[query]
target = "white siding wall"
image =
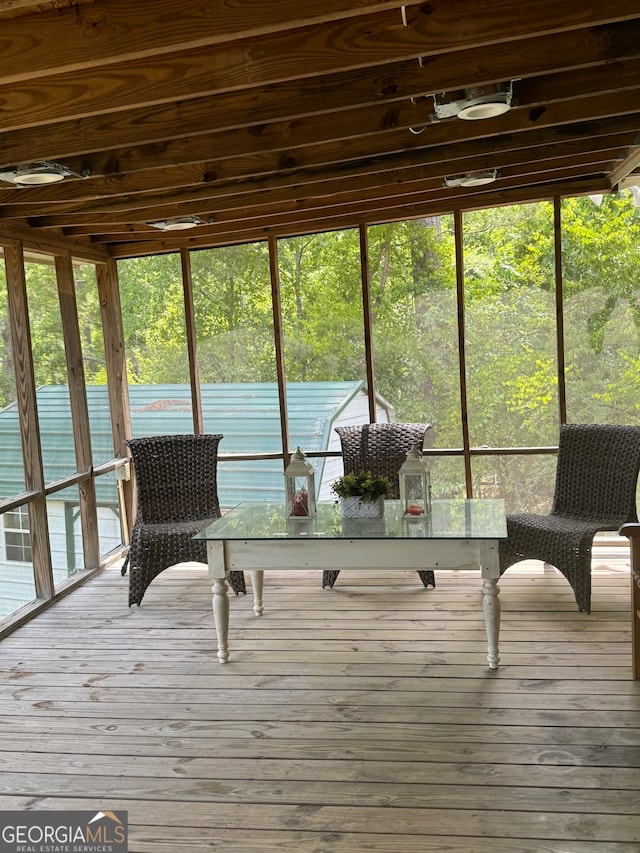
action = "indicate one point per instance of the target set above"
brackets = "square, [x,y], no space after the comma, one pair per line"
[357,412]
[16,579]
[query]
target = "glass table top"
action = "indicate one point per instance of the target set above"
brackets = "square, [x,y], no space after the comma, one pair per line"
[449,519]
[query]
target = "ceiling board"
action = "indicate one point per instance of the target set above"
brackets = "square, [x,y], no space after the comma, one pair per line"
[280,119]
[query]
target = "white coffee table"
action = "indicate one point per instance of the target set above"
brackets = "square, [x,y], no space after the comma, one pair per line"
[258,537]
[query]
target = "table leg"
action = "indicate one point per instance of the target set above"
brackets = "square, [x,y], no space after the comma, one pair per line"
[221,617]
[491,607]
[216,560]
[490,569]
[256,584]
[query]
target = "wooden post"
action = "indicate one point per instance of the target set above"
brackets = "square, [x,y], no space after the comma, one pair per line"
[632,531]
[192,344]
[368,321]
[279,345]
[79,409]
[562,388]
[464,413]
[29,424]
[107,276]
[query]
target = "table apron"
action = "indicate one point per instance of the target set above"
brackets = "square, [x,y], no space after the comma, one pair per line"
[382,554]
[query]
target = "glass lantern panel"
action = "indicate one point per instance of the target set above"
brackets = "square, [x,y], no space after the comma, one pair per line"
[299,497]
[415,494]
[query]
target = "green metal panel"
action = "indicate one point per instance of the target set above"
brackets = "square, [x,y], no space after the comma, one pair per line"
[246,414]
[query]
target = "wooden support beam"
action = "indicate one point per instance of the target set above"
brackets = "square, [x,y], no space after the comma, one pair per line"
[192,343]
[79,409]
[116,367]
[28,415]
[633,532]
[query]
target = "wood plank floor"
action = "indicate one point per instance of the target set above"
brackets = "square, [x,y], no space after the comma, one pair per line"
[362,718]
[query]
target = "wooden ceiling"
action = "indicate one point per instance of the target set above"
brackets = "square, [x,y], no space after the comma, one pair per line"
[285,117]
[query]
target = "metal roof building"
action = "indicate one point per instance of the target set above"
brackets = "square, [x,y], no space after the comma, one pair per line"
[246,414]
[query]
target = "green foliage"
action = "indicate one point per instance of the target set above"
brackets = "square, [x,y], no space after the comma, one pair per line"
[509,322]
[153,319]
[322,306]
[369,487]
[50,366]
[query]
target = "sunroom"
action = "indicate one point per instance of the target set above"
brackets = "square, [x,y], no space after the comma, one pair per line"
[263,222]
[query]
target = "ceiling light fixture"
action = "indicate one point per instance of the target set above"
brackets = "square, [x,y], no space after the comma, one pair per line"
[472,179]
[39,174]
[474,103]
[179,223]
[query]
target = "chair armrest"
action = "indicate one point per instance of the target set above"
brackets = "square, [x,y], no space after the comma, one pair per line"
[631,530]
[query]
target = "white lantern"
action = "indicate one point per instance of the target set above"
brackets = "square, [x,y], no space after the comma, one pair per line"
[415,486]
[300,486]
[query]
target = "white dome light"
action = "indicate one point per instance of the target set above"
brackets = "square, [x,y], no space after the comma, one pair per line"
[38,174]
[179,223]
[479,180]
[38,177]
[473,103]
[485,109]
[472,179]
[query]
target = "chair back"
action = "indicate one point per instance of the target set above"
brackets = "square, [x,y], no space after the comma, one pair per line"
[380,448]
[176,477]
[597,473]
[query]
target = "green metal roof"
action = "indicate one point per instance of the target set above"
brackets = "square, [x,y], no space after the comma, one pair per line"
[246,414]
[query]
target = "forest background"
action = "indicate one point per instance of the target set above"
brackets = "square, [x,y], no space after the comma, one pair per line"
[504,320]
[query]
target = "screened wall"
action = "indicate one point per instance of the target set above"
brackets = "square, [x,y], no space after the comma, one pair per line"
[495,326]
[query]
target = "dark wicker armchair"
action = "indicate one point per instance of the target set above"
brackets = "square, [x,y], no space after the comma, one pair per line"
[177,489]
[381,449]
[595,489]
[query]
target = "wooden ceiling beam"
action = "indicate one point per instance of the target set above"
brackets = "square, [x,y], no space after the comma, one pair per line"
[626,167]
[345,46]
[509,128]
[73,195]
[327,93]
[245,208]
[509,133]
[378,198]
[87,36]
[247,232]
[16,8]
[275,119]
[544,158]
[445,160]
[382,128]
[116,31]
[54,244]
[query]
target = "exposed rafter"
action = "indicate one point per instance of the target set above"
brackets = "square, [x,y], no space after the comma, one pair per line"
[275,118]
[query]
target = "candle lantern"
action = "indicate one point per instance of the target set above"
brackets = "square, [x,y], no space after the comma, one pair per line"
[300,486]
[415,486]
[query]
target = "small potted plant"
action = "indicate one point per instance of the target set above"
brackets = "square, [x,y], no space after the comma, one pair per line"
[362,494]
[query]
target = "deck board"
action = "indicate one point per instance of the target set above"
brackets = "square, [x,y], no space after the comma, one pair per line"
[362,718]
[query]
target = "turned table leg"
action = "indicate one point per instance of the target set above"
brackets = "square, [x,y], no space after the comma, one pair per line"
[221,617]
[220,591]
[491,607]
[490,569]
[257,579]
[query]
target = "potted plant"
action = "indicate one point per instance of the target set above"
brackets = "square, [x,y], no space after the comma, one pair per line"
[362,494]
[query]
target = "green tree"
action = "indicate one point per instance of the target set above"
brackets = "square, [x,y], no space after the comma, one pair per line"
[152,301]
[233,313]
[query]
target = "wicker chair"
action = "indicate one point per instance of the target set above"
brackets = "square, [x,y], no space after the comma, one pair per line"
[176,481]
[595,489]
[381,449]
